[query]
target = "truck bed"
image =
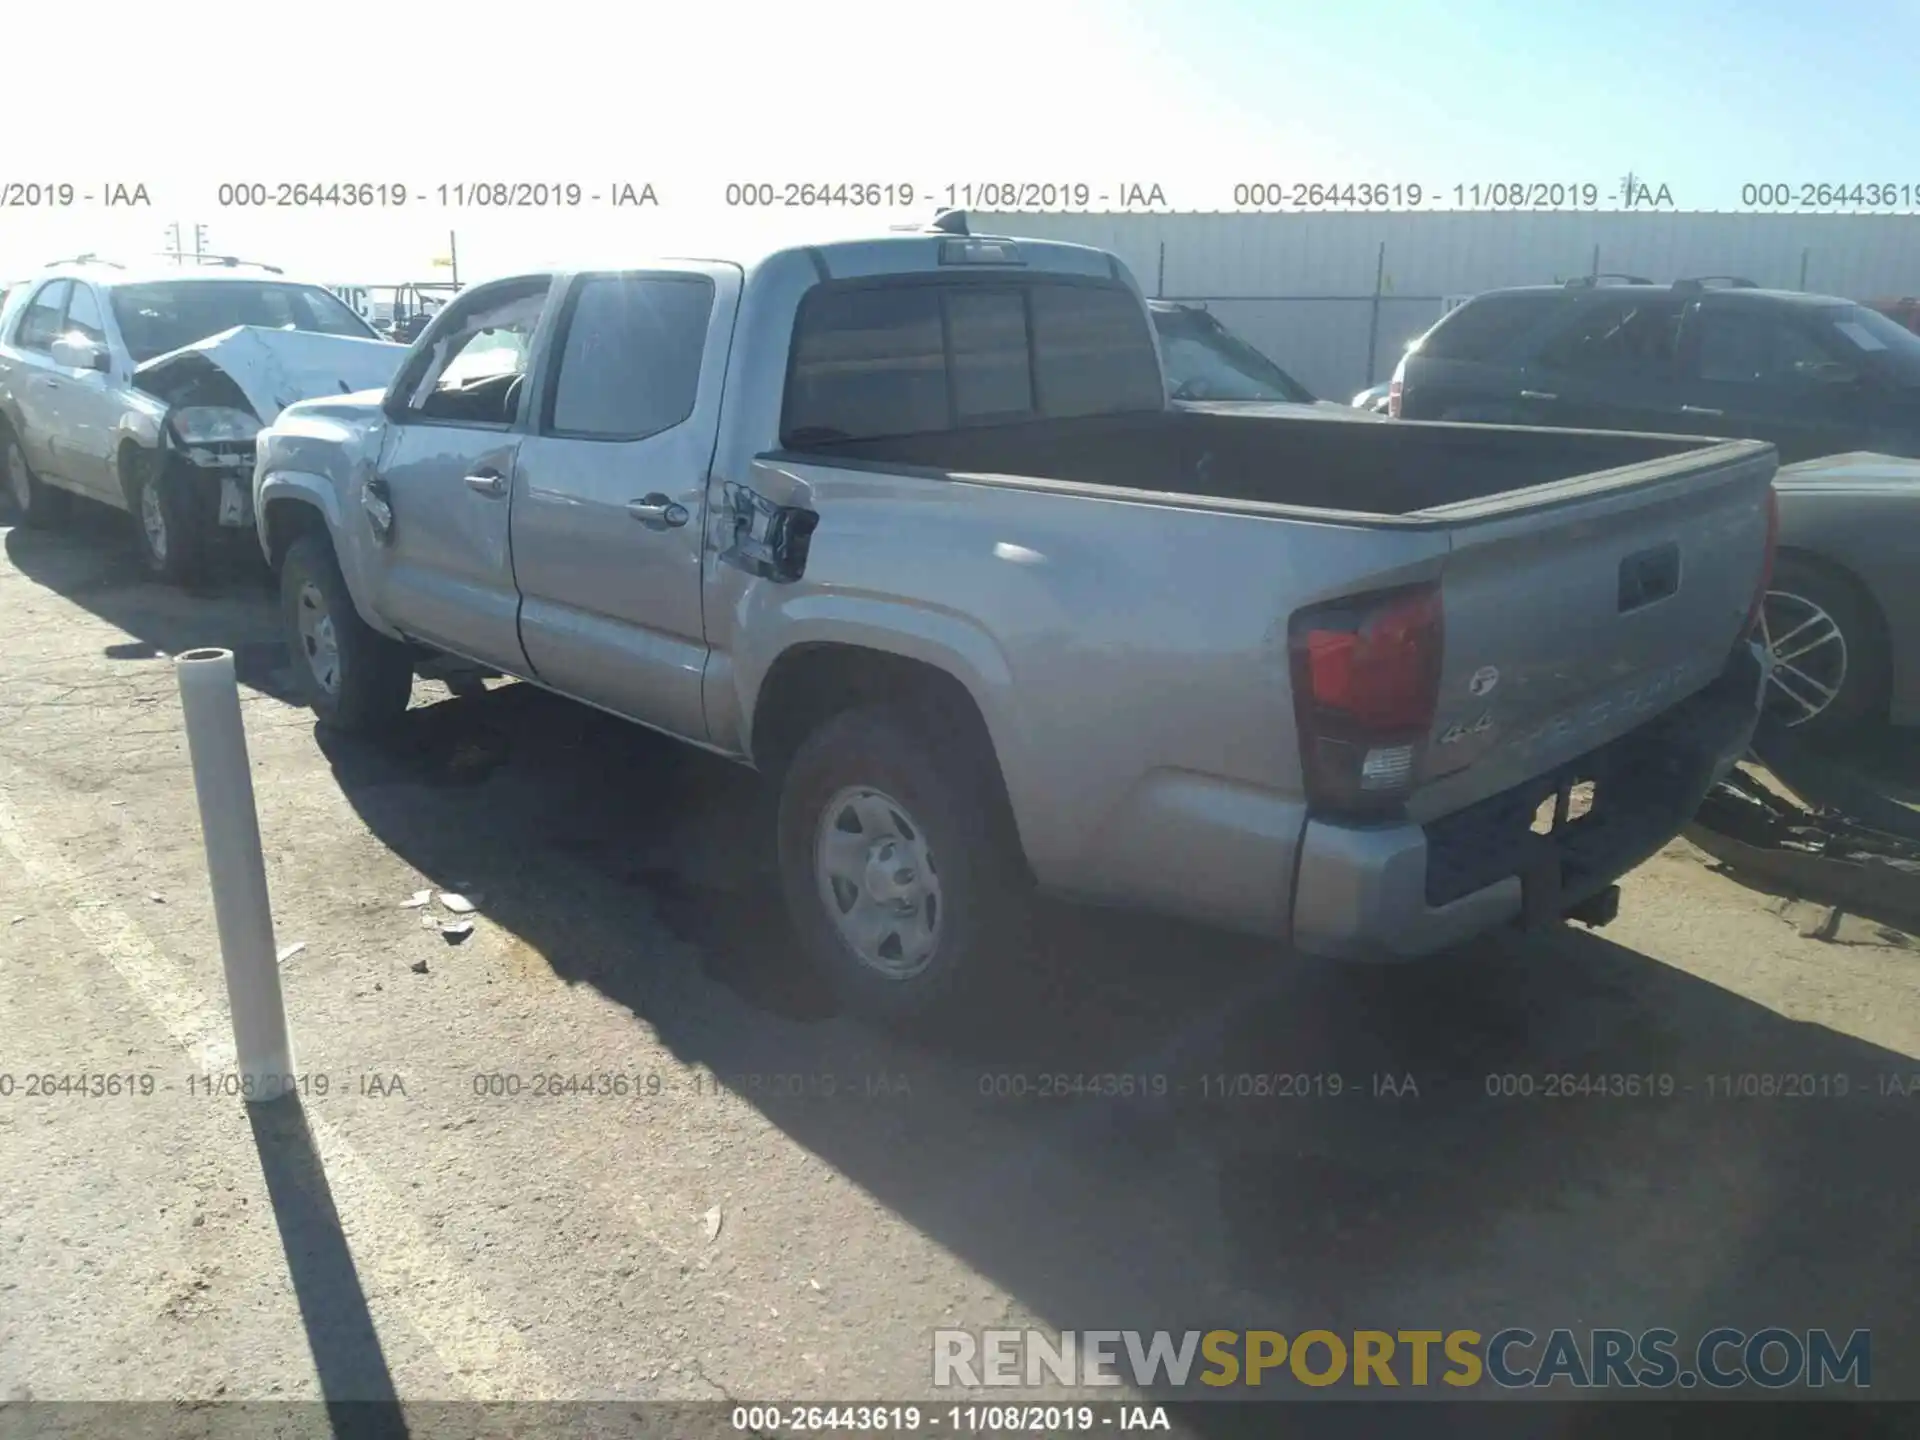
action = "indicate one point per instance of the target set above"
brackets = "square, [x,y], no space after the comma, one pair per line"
[1310,461]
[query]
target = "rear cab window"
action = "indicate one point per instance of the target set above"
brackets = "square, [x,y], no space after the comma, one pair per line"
[904,357]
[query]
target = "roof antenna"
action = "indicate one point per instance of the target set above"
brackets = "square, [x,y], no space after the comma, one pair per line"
[951,222]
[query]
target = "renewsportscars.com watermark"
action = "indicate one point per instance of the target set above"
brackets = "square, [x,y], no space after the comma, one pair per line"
[1772,1358]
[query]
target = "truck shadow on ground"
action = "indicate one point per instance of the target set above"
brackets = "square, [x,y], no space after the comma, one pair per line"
[1301,1144]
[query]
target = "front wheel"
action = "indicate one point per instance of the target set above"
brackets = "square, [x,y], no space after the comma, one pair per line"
[354,678]
[171,528]
[900,879]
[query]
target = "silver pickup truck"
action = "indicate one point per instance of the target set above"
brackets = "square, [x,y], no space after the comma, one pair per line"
[909,525]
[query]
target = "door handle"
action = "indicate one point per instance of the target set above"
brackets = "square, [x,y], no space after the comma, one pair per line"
[490,483]
[49,382]
[657,512]
[1699,410]
[1537,395]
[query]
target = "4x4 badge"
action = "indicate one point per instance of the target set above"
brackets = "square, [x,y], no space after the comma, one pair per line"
[1483,680]
[1457,732]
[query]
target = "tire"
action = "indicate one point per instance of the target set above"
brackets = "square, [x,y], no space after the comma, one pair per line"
[31,502]
[1808,602]
[363,682]
[169,525]
[957,847]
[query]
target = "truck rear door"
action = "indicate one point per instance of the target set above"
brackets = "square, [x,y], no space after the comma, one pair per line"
[1576,611]
[609,505]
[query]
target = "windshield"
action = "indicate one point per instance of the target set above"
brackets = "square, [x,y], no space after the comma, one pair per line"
[1878,345]
[1205,361]
[165,315]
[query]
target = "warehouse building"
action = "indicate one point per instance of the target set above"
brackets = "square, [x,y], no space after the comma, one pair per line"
[1335,297]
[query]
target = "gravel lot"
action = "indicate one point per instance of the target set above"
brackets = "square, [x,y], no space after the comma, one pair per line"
[731,1228]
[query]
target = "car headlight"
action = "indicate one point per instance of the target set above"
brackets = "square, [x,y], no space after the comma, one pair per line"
[213,425]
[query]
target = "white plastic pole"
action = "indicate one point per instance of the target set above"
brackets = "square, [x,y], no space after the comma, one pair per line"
[223,781]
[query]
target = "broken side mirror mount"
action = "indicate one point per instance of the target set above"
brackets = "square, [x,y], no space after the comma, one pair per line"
[767,540]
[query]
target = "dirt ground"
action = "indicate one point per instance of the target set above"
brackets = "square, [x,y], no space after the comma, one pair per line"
[784,1203]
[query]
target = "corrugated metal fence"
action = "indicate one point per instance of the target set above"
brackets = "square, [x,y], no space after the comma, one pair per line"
[1334,298]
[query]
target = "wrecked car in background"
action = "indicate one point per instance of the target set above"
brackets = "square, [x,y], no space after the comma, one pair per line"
[145,391]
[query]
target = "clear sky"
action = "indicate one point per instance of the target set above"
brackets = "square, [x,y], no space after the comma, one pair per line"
[1195,97]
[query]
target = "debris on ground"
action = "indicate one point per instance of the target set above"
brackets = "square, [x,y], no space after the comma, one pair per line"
[456,931]
[712,1222]
[458,904]
[156,897]
[287,952]
[416,900]
[419,967]
[1833,924]
[1812,852]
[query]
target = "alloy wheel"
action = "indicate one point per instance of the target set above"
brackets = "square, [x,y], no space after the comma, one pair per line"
[153,522]
[1809,653]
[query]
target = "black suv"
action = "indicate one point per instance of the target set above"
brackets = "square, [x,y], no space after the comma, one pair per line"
[1813,374]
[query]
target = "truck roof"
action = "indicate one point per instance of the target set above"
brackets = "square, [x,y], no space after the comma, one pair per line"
[897,254]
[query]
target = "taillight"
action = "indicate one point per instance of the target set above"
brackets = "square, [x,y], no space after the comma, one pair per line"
[1766,560]
[1393,397]
[1366,683]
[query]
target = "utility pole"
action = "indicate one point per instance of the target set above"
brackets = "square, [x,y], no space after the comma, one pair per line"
[176,246]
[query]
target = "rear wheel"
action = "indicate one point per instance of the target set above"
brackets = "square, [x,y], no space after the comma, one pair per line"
[354,677]
[1830,662]
[31,501]
[900,879]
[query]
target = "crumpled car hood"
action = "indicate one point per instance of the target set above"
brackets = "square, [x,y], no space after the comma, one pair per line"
[271,369]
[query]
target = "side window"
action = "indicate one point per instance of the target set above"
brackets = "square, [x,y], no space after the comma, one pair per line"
[1618,336]
[1092,353]
[630,365]
[40,325]
[83,315]
[1798,358]
[866,362]
[1485,326]
[1746,347]
[470,373]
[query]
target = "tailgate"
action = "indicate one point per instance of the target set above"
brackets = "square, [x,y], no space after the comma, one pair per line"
[1578,610]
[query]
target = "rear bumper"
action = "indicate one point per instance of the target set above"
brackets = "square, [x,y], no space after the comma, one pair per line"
[1398,891]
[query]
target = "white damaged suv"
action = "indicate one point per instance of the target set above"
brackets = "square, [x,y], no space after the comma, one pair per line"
[143,389]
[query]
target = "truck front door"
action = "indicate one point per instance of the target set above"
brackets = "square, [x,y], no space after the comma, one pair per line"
[610,490]
[442,571]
